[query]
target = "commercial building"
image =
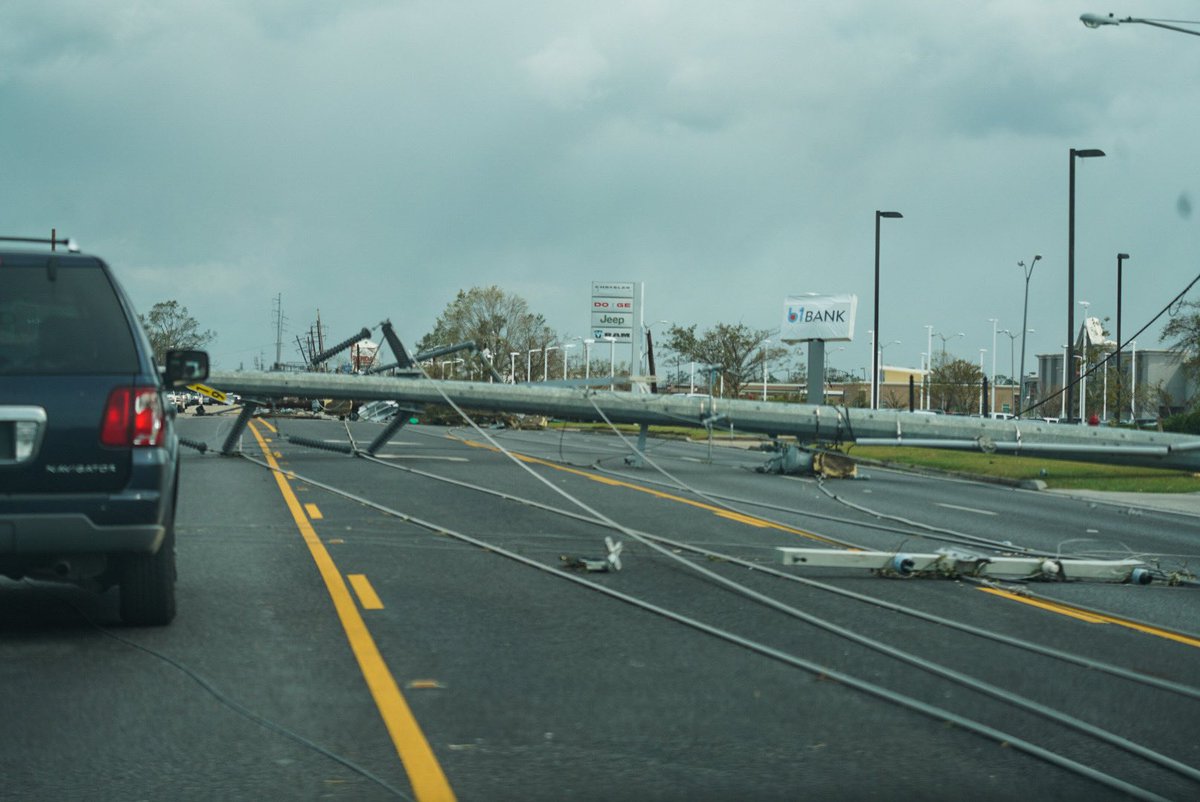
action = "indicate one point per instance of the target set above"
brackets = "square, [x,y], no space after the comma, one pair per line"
[1154,385]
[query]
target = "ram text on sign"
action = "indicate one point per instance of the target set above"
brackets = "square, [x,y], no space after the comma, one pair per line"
[818,317]
[619,335]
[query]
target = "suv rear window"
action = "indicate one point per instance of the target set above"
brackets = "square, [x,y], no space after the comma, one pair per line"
[61,316]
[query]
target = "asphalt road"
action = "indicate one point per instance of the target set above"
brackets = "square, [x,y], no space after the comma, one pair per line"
[327,648]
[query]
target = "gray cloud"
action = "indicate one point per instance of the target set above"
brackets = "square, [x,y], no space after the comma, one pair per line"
[371,158]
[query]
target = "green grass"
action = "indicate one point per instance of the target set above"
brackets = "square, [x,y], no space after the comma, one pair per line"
[1057,474]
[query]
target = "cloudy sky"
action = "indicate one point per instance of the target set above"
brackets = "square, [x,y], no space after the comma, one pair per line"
[369,158]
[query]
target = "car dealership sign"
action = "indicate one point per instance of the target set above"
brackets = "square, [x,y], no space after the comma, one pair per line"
[613,310]
[818,317]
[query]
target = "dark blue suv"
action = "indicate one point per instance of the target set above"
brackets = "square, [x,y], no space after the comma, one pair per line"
[89,458]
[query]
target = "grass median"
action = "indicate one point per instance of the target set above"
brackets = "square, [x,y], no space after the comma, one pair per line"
[1057,474]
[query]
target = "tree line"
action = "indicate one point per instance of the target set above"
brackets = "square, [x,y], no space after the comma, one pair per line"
[729,355]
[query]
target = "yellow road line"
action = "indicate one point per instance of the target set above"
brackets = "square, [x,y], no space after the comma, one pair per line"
[429,782]
[1093,618]
[367,596]
[313,512]
[718,511]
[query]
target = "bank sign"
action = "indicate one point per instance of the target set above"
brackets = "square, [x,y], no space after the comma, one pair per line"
[818,317]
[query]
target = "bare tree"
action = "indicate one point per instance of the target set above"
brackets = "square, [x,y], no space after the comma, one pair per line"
[495,320]
[955,385]
[736,352]
[169,326]
[1184,330]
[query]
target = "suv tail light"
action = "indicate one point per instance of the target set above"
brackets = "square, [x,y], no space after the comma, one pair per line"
[133,417]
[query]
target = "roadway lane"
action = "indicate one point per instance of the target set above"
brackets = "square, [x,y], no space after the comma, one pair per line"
[92,715]
[527,686]
[678,517]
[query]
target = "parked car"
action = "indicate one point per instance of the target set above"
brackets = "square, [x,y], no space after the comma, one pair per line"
[89,457]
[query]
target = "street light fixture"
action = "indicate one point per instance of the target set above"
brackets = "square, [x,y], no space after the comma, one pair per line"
[1082,154]
[1097,21]
[944,338]
[1024,330]
[874,364]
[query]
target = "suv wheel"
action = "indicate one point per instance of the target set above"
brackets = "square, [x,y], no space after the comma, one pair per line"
[148,585]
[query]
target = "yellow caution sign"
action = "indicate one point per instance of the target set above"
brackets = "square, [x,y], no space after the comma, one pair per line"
[212,393]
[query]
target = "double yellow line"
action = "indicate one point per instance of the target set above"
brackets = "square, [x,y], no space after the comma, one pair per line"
[1092,617]
[428,781]
[720,512]
[1054,607]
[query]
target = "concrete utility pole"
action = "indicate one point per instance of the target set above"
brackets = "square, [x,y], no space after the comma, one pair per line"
[869,427]
[278,314]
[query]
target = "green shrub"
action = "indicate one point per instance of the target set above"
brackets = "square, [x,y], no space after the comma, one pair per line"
[1184,422]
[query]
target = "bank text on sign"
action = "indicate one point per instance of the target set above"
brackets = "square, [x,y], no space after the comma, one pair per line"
[818,317]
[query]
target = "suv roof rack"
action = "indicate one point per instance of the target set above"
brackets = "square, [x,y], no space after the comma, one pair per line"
[52,241]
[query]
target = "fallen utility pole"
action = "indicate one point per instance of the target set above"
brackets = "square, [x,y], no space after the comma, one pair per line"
[808,423]
[954,563]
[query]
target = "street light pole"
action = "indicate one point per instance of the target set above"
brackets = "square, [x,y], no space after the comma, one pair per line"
[1121,257]
[529,364]
[564,350]
[1063,395]
[546,361]
[982,351]
[1024,331]
[874,364]
[612,360]
[764,353]
[1082,154]
[1133,383]
[1083,365]
[512,365]
[928,378]
[879,362]
[992,399]
[1012,365]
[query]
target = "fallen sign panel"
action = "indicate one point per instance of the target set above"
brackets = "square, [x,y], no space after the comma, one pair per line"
[950,562]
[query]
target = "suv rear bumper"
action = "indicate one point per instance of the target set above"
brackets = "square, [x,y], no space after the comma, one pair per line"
[82,524]
[74,534]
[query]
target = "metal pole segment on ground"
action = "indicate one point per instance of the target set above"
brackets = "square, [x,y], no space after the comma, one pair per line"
[806,422]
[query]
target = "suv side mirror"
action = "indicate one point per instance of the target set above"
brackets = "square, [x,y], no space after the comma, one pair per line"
[185,367]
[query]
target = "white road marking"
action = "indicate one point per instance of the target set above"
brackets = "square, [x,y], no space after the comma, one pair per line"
[967,509]
[420,456]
